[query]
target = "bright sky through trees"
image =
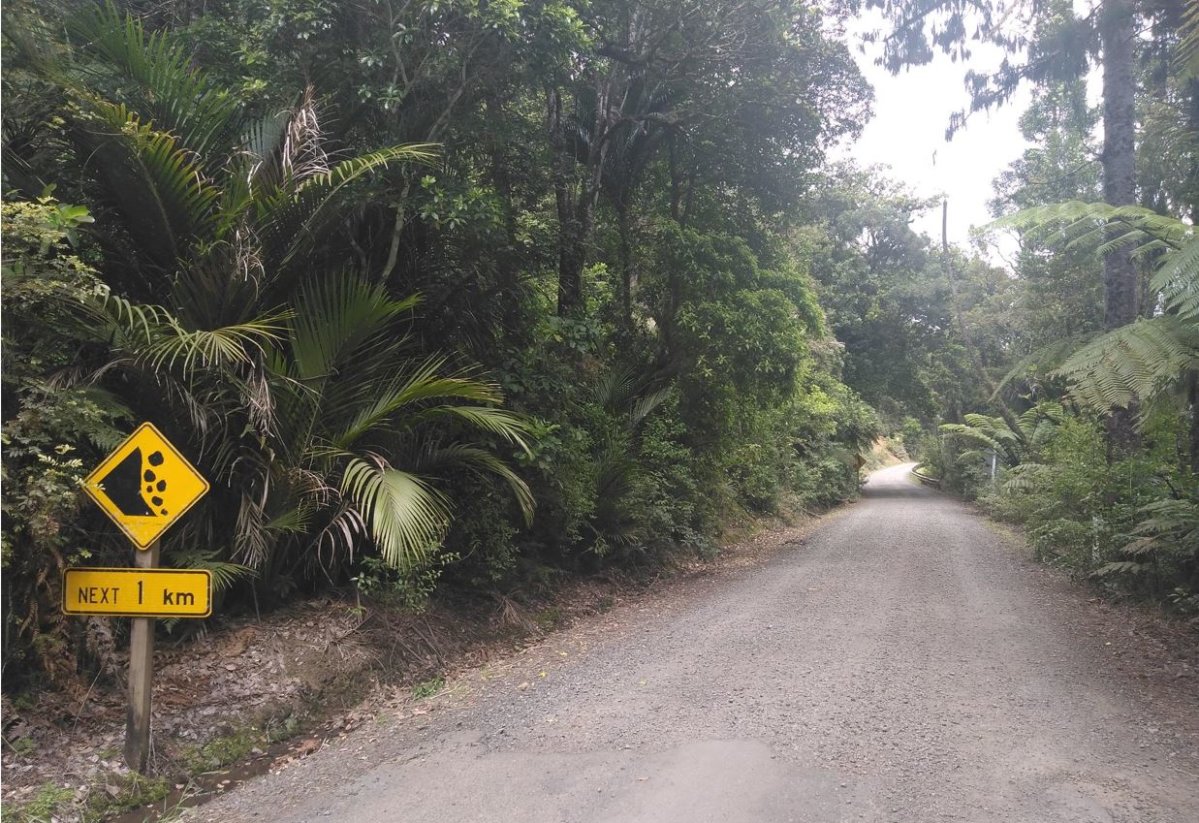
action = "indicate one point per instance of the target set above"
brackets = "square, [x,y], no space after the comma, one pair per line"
[907,133]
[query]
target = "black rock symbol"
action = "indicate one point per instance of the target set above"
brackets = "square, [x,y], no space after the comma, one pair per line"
[122,486]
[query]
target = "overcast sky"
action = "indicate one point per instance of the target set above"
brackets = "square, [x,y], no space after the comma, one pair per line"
[911,111]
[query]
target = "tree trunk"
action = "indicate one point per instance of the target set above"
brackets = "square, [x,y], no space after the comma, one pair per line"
[1192,196]
[1119,183]
[570,252]
[1119,154]
[628,276]
[1192,381]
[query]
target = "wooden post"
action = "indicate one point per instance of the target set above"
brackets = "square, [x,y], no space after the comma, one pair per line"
[141,676]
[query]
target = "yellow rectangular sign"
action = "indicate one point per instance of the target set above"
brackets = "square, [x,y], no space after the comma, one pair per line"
[137,592]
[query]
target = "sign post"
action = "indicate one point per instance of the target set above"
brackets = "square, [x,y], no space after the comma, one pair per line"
[144,487]
[141,676]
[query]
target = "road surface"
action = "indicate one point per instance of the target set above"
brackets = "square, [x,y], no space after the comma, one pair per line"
[902,663]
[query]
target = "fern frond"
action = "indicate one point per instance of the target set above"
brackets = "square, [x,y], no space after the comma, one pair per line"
[1024,477]
[1178,281]
[1089,225]
[1186,58]
[1120,567]
[1140,360]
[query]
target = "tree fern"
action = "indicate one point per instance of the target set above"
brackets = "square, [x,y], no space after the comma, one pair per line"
[1178,282]
[1145,360]
[1187,53]
[1078,224]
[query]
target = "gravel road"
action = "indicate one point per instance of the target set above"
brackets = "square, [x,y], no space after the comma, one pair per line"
[902,662]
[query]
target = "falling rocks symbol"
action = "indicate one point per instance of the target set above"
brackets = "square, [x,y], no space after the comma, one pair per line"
[123,485]
[145,485]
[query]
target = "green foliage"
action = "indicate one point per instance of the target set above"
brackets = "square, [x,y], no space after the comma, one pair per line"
[1165,548]
[408,588]
[1150,361]
[133,792]
[888,301]
[1130,523]
[46,805]
[250,278]
[222,750]
[52,434]
[428,688]
[288,379]
[1146,361]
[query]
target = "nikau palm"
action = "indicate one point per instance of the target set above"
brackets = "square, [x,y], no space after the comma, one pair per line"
[292,377]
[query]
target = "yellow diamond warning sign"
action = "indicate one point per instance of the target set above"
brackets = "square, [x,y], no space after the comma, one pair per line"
[145,485]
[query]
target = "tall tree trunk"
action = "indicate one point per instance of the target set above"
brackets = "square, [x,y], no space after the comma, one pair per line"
[1119,154]
[628,275]
[570,262]
[576,192]
[1192,189]
[1119,182]
[1192,401]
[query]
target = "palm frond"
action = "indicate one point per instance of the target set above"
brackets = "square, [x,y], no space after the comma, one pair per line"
[405,516]
[156,182]
[288,148]
[295,520]
[154,335]
[297,218]
[224,573]
[166,88]
[227,346]
[334,315]
[478,459]
[645,405]
[511,426]
[421,384]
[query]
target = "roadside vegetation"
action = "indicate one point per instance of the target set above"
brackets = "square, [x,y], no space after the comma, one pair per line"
[1090,436]
[438,297]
